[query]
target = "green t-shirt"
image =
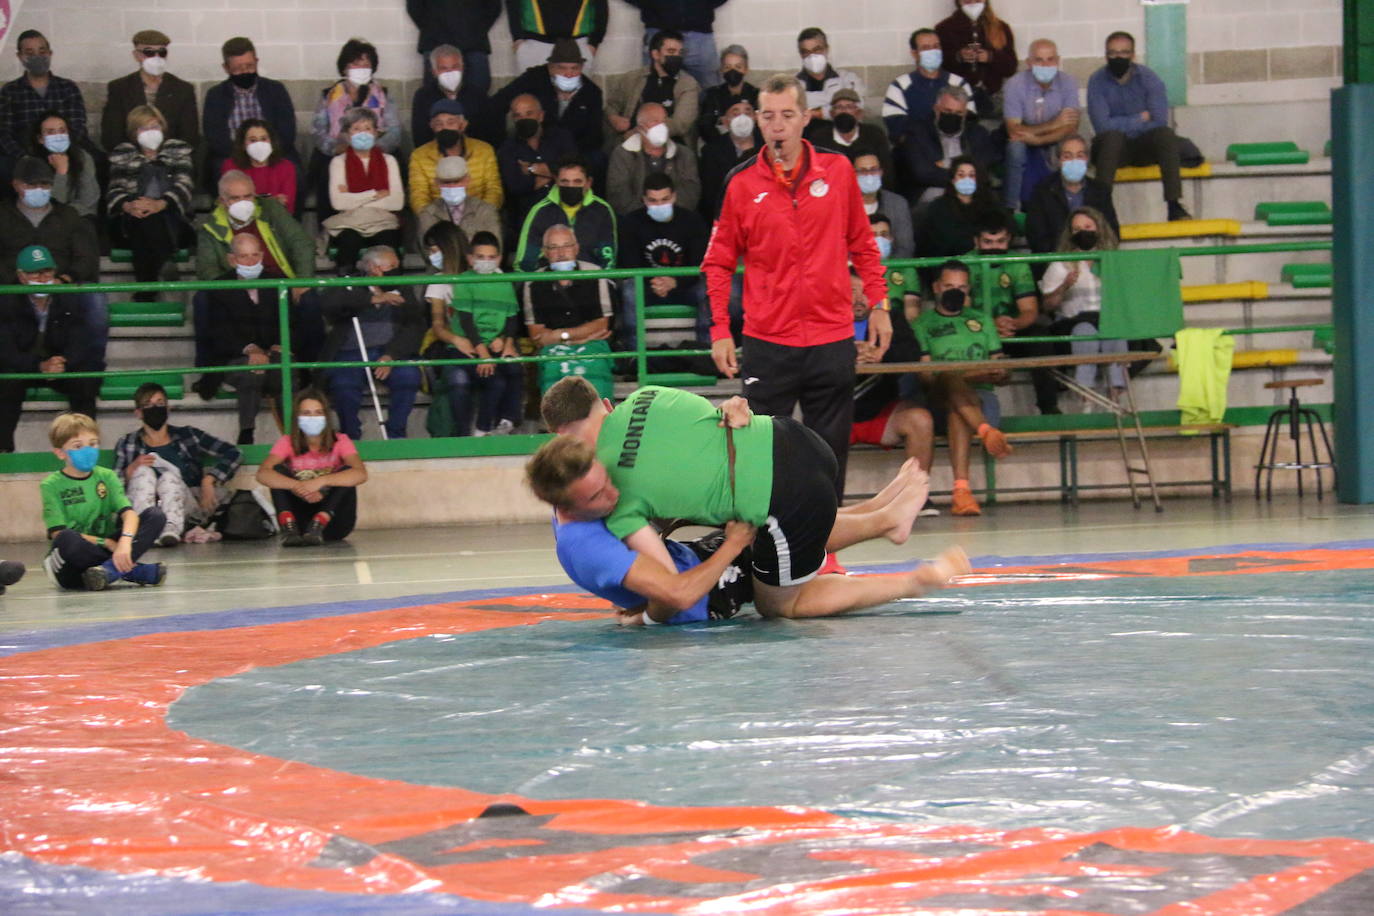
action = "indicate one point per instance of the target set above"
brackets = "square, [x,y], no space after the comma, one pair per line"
[666,453]
[87,506]
[1009,283]
[491,305]
[901,282]
[957,337]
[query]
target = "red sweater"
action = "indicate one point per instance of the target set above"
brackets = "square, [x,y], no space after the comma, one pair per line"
[797,244]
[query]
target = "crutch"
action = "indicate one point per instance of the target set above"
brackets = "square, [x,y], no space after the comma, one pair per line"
[371,381]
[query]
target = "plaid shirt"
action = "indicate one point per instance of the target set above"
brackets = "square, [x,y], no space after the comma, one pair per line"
[20,106]
[192,445]
[246,107]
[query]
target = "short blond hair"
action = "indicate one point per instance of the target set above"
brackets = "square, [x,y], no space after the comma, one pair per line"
[140,116]
[68,425]
[568,400]
[558,464]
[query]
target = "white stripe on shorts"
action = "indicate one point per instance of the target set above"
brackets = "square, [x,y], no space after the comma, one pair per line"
[784,552]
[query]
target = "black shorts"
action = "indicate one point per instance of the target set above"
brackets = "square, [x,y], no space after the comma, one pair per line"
[790,547]
[735,588]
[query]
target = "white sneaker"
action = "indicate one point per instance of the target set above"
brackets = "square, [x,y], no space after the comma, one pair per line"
[50,563]
[928,512]
[479,433]
[504,428]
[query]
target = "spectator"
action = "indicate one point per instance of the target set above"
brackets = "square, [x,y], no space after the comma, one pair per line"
[259,155]
[822,80]
[903,290]
[730,88]
[444,82]
[245,95]
[357,64]
[567,97]
[869,170]
[1040,105]
[537,26]
[149,196]
[456,27]
[846,132]
[288,248]
[527,159]
[150,85]
[181,470]
[663,232]
[570,202]
[365,190]
[243,328]
[1073,290]
[695,22]
[42,332]
[314,473]
[96,536]
[650,151]
[34,218]
[979,47]
[952,219]
[570,318]
[912,94]
[450,126]
[477,320]
[948,332]
[932,143]
[74,181]
[1129,107]
[28,97]
[740,142]
[1063,192]
[391,322]
[661,82]
[456,205]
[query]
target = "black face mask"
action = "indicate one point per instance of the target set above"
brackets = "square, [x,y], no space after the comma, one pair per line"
[949,123]
[952,300]
[570,197]
[525,128]
[992,251]
[244,80]
[1085,239]
[845,122]
[672,64]
[732,78]
[155,417]
[1118,66]
[447,139]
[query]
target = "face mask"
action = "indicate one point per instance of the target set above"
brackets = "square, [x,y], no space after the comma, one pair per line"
[1044,75]
[525,128]
[966,186]
[732,77]
[244,80]
[485,265]
[241,211]
[154,66]
[150,139]
[453,196]
[155,417]
[562,265]
[311,426]
[660,213]
[672,64]
[248,271]
[362,142]
[37,198]
[1118,66]
[38,65]
[741,125]
[359,76]
[931,58]
[450,80]
[84,459]
[952,300]
[1073,170]
[447,139]
[39,295]
[949,123]
[845,122]
[870,184]
[259,150]
[884,247]
[992,251]
[1085,239]
[570,197]
[657,135]
[973,10]
[567,83]
[57,143]
[814,63]
[436,260]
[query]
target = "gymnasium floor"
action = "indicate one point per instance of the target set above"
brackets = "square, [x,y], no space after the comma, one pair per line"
[1123,712]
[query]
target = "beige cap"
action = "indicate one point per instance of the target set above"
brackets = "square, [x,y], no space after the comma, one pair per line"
[451,168]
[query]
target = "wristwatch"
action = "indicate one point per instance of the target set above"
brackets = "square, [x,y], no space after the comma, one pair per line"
[565,336]
[883,305]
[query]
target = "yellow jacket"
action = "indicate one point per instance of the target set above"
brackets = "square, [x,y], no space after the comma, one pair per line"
[484,177]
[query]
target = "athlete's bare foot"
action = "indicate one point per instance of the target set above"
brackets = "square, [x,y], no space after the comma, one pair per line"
[907,505]
[895,486]
[951,563]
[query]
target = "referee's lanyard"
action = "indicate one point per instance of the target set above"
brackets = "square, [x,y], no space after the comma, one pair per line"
[788,178]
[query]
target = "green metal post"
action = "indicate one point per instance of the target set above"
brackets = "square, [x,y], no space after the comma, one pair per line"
[284,323]
[1358,47]
[1166,46]
[641,357]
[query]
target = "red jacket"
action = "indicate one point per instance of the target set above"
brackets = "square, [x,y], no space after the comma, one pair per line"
[796,245]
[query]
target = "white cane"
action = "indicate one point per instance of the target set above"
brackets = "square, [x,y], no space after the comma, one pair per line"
[371,382]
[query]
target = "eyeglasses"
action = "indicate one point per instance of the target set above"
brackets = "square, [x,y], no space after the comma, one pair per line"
[153,52]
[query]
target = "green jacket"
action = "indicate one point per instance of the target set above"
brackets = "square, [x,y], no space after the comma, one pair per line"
[289,244]
[594,224]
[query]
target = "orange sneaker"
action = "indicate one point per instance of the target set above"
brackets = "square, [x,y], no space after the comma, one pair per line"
[963,503]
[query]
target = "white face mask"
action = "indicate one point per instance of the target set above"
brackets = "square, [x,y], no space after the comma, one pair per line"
[37,294]
[450,80]
[567,83]
[657,135]
[485,265]
[150,139]
[453,196]
[359,76]
[154,66]
[241,211]
[973,10]
[741,125]
[562,265]
[248,271]
[259,150]
[436,260]
[814,63]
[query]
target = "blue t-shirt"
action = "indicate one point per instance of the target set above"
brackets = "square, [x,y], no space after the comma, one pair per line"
[597,561]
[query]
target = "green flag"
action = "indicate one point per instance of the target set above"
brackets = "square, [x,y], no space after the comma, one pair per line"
[1140,293]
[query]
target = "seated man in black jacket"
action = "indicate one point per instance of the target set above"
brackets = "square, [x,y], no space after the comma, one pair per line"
[391,323]
[568,98]
[1060,194]
[931,143]
[663,234]
[42,332]
[244,330]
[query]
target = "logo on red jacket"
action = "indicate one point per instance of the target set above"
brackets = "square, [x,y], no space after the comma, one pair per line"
[819,188]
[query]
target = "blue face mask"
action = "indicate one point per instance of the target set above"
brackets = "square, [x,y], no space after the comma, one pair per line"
[57,143]
[562,265]
[870,184]
[84,459]
[660,213]
[436,260]
[1073,170]
[248,271]
[37,198]
[361,142]
[931,59]
[311,426]
[966,186]
[884,246]
[1044,75]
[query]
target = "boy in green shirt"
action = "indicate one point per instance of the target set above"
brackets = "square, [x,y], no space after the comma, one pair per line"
[96,536]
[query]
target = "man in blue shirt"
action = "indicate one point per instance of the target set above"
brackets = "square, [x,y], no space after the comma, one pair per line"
[1129,108]
[1040,105]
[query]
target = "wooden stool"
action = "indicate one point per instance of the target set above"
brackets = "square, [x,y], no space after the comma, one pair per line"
[1295,415]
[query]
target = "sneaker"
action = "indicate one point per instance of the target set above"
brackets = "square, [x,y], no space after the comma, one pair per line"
[928,512]
[50,563]
[291,535]
[504,428]
[995,442]
[95,579]
[1176,212]
[963,503]
[168,538]
[147,574]
[314,535]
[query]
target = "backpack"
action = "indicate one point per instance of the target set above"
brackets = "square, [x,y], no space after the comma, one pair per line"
[244,519]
